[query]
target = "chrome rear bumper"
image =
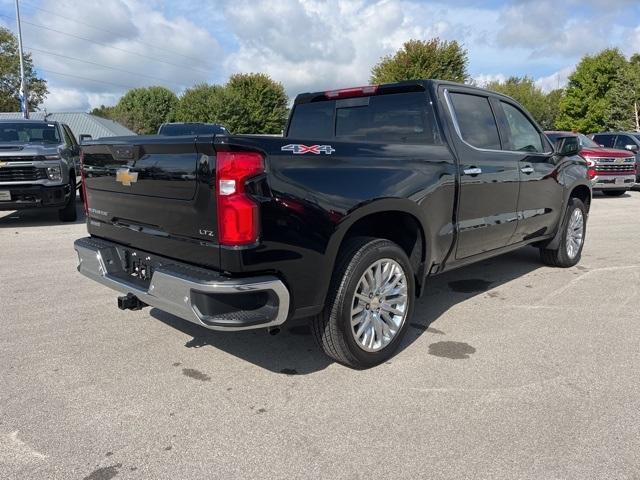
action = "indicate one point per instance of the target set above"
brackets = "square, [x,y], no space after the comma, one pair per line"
[202,296]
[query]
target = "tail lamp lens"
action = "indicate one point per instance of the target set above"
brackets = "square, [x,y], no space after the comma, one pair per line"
[238,219]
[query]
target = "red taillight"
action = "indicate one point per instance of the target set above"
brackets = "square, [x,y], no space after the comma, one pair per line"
[352,92]
[238,220]
[83,186]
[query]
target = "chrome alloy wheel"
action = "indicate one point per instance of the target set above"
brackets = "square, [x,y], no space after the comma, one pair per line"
[575,233]
[380,305]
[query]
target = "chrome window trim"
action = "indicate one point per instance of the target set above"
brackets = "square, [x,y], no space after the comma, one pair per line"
[456,127]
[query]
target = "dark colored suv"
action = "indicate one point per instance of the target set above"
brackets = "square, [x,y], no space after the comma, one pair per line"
[622,140]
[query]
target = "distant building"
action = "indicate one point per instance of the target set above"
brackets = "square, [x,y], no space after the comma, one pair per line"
[79,123]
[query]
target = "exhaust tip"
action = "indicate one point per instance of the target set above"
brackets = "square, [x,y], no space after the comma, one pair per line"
[130,302]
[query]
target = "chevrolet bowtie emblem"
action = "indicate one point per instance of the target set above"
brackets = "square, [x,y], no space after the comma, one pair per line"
[125,177]
[2,164]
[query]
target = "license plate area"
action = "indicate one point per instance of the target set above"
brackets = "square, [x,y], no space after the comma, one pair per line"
[619,181]
[5,196]
[138,268]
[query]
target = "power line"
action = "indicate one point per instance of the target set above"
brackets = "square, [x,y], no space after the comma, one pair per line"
[101,65]
[37,25]
[110,31]
[85,78]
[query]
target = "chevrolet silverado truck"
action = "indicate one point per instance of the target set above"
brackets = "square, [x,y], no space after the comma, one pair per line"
[629,141]
[340,222]
[612,171]
[38,165]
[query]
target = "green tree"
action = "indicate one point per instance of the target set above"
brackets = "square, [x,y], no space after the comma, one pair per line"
[10,76]
[104,112]
[585,105]
[253,103]
[202,103]
[419,59]
[552,108]
[523,90]
[624,98]
[143,110]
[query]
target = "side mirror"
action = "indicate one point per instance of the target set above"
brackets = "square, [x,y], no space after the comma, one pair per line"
[632,148]
[83,137]
[568,146]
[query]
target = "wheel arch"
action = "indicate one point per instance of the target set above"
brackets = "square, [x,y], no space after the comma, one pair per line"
[581,191]
[393,219]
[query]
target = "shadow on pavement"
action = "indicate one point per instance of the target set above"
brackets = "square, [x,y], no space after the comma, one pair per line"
[37,217]
[293,351]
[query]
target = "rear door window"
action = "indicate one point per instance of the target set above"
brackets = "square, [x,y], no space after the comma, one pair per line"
[476,121]
[523,135]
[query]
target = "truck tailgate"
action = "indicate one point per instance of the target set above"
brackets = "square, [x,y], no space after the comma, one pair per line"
[150,191]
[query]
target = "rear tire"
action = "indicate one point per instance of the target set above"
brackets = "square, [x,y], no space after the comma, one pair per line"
[69,213]
[377,304]
[569,251]
[614,193]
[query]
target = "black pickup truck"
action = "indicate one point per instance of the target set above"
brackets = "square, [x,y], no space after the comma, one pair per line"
[341,221]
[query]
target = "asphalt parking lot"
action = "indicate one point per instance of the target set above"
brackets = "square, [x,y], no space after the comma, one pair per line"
[510,370]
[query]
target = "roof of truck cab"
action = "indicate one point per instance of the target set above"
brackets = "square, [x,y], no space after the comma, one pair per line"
[425,84]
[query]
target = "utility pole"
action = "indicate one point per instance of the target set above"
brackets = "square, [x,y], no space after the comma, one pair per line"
[24,92]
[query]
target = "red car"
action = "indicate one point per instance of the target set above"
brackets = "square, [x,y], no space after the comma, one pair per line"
[611,171]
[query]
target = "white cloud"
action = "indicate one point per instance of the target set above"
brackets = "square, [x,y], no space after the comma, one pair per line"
[305,44]
[556,80]
[313,45]
[76,100]
[482,79]
[548,28]
[142,47]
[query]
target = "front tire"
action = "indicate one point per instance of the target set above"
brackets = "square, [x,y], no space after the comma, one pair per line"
[369,303]
[68,213]
[614,193]
[574,229]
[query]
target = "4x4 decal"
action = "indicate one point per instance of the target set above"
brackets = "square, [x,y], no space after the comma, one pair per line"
[299,149]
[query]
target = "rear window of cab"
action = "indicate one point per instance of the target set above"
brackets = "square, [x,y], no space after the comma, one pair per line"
[392,118]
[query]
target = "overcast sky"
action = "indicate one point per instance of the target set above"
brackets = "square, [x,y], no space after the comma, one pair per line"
[305,44]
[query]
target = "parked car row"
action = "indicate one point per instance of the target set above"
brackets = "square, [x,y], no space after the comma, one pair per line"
[373,189]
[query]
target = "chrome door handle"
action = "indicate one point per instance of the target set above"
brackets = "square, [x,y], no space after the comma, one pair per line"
[472,171]
[527,170]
